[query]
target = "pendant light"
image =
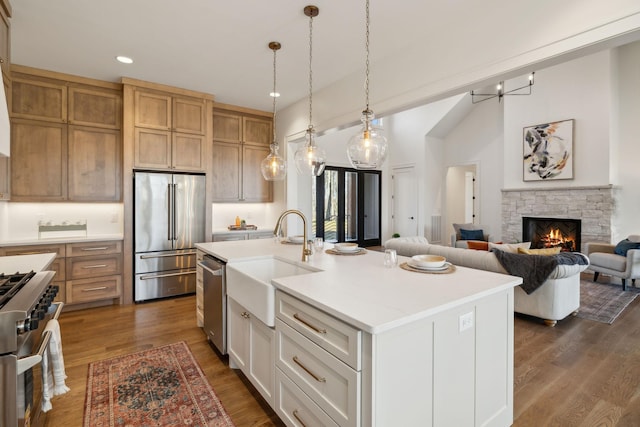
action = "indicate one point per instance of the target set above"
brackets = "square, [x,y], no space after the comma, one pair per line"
[310,159]
[274,167]
[368,148]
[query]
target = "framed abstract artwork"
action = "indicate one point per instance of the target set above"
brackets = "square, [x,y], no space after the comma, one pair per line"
[548,151]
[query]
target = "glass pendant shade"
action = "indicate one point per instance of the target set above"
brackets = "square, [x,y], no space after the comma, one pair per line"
[368,148]
[273,167]
[310,159]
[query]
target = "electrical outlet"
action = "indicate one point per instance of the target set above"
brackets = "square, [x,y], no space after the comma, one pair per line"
[114,218]
[466,321]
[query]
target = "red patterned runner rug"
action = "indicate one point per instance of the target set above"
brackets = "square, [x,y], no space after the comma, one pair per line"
[162,386]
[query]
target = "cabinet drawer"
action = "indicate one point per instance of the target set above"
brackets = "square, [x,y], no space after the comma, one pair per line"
[84,267]
[335,336]
[59,250]
[86,290]
[296,408]
[94,248]
[237,235]
[334,386]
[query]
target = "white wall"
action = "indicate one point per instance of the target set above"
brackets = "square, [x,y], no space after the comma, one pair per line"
[19,221]
[626,143]
[479,140]
[579,90]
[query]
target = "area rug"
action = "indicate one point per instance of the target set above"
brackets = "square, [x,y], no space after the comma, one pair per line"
[162,386]
[603,302]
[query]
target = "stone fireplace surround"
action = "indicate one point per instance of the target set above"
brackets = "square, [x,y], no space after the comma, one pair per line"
[595,206]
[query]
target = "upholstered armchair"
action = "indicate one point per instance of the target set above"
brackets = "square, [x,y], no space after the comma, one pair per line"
[625,264]
[465,232]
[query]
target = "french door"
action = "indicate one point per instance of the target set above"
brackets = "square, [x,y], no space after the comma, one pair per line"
[347,206]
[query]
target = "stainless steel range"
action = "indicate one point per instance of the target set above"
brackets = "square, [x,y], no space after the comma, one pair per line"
[26,305]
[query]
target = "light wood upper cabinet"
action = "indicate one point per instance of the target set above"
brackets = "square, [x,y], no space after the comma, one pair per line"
[189,116]
[38,161]
[94,165]
[257,131]
[169,132]
[188,152]
[227,159]
[95,107]
[152,110]
[241,140]
[5,189]
[227,127]
[66,141]
[5,41]
[254,187]
[38,99]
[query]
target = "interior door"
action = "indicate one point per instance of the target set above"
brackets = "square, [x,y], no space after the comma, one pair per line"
[405,201]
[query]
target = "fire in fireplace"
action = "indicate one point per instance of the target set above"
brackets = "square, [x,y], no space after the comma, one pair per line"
[552,232]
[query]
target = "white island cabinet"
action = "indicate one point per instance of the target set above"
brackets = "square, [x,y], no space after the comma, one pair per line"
[357,344]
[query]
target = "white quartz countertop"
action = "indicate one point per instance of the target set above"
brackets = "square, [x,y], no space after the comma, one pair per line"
[359,290]
[62,240]
[25,263]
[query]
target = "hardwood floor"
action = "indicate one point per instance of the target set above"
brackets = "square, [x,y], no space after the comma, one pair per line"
[579,373]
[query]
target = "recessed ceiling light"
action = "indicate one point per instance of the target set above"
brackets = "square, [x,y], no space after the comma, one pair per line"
[124,59]
[274,95]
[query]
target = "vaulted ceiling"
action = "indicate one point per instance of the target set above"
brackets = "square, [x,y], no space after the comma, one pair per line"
[220,47]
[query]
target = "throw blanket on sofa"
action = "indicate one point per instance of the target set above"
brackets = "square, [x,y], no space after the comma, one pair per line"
[535,269]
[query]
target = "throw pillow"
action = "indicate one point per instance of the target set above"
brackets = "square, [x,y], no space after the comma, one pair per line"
[471,234]
[467,226]
[543,251]
[634,238]
[478,245]
[623,246]
[509,247]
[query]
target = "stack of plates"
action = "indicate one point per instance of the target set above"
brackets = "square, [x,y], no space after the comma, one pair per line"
[347,248]
[429,262]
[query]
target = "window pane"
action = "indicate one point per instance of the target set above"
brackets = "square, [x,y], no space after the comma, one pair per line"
[371,206]
[330,205]
[351,206]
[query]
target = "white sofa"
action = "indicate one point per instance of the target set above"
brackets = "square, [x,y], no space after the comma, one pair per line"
[558,297]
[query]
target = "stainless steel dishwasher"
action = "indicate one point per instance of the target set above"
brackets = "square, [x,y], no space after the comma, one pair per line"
[214,301]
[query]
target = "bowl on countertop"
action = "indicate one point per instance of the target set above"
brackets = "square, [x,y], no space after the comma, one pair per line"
[428,261]
[296,239]
[346,247]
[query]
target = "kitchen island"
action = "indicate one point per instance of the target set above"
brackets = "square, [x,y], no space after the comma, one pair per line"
[359,344]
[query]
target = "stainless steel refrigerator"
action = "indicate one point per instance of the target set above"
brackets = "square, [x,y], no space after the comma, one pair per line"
[169,212]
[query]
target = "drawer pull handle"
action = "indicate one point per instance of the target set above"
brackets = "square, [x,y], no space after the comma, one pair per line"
[308,371]
[295,414]
[100,288]
[102,248]
[309,325]
[87,267]
[166,255]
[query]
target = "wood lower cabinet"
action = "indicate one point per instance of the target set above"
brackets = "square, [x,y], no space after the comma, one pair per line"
[86,272]
[251,348]
[94,271]
[241,140]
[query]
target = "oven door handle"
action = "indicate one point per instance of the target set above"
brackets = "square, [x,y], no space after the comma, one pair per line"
[29,362]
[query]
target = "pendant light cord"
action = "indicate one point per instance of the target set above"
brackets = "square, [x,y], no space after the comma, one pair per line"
[366,74]
[275,95]
[310,72]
